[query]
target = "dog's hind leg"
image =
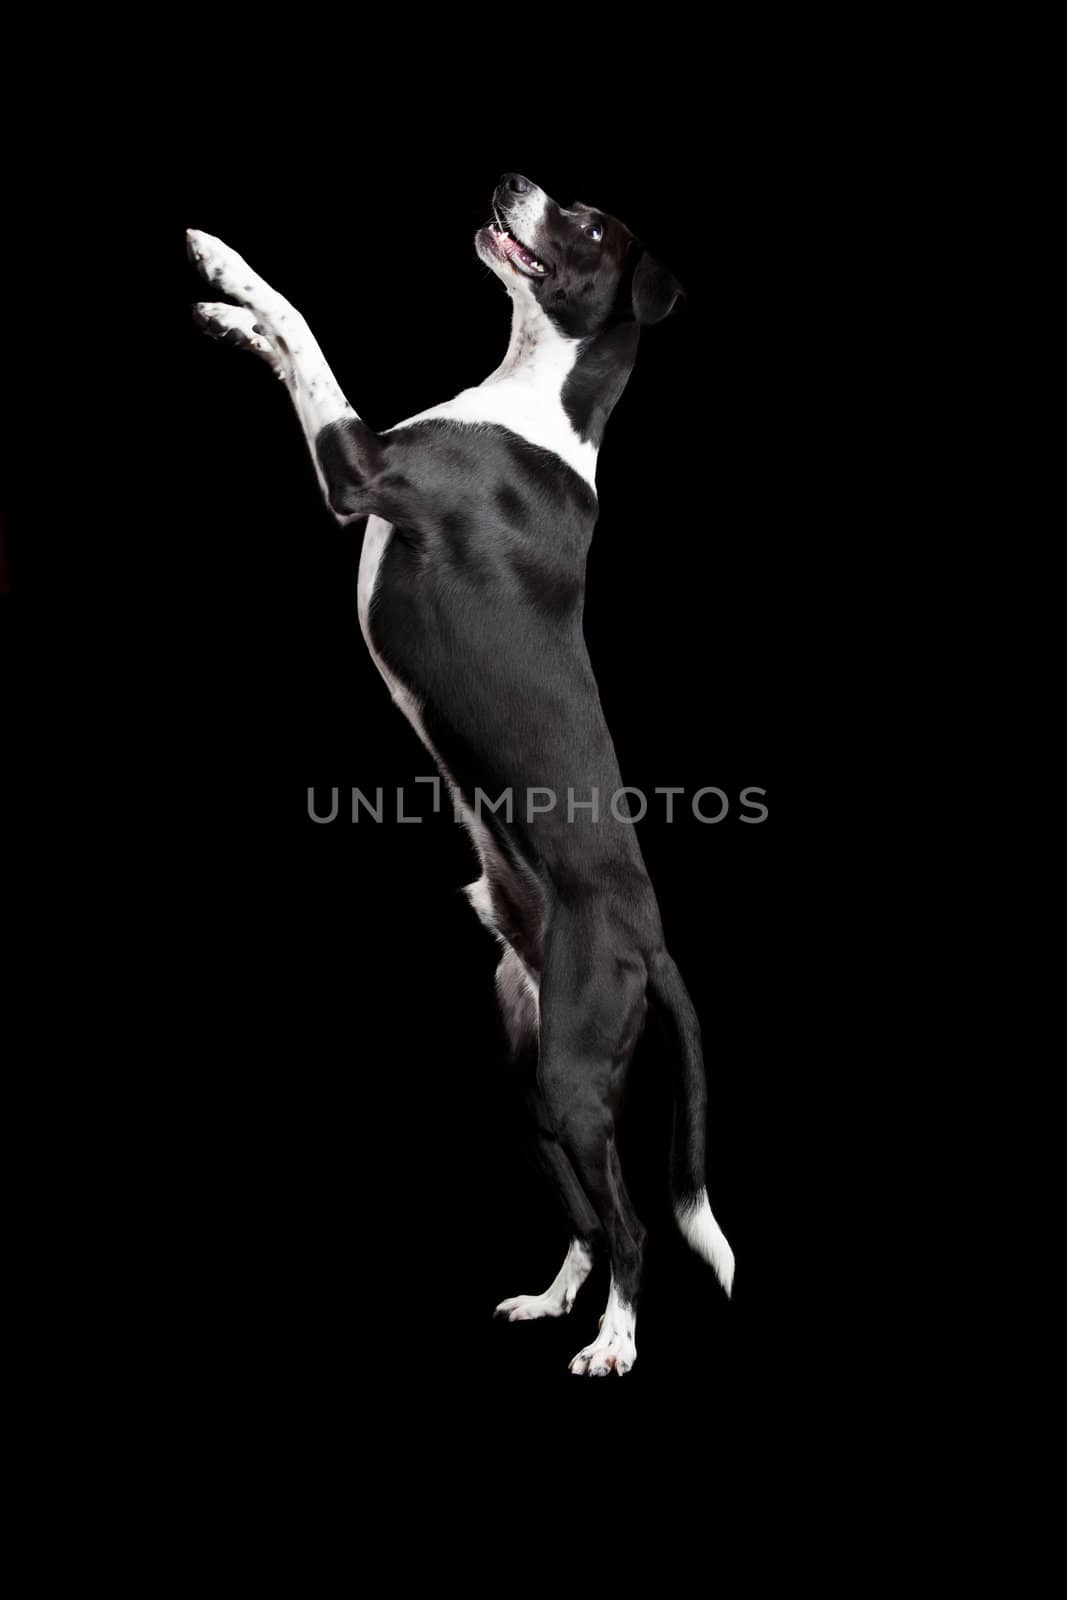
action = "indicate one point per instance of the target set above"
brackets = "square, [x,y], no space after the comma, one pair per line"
[519,1009]
[592,1007]
[266,323]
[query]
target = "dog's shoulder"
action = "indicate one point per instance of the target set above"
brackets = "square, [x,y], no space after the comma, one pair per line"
[490,466]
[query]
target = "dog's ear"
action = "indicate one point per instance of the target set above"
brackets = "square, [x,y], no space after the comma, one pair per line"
[654,290]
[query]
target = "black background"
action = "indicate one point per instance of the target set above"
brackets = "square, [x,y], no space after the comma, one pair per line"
[347,1193]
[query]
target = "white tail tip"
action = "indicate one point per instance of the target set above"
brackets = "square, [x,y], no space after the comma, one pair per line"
[703,1234]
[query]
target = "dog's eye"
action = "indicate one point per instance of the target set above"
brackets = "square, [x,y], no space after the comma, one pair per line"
[594,231]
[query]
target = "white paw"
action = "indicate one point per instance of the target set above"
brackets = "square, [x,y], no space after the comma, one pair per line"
[223,268]
[235,325]
[530,1307]
[611,1352]
[614,1349]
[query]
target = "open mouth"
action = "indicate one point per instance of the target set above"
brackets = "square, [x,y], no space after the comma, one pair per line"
[514,251]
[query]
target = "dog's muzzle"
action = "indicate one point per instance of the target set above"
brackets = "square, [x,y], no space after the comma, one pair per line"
[512,250]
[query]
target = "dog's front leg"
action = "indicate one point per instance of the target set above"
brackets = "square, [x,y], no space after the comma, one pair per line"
[265,323]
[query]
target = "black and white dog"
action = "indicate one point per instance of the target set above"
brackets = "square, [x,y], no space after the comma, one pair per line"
[479,515]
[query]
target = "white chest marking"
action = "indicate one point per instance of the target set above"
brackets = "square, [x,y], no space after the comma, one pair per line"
[524,409]
[525,392]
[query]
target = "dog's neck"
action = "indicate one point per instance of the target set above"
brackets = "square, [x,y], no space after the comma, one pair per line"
[584,376]
[538,355]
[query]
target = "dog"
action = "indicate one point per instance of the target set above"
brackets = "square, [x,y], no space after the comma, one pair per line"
[479,516]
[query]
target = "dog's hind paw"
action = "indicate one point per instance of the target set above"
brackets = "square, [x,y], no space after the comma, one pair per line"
[614,1349]
[531,1307]
[616,1353]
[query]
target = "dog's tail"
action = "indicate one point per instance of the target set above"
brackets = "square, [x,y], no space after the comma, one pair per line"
[691,1206]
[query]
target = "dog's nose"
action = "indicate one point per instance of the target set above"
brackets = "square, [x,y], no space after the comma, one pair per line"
[515,183]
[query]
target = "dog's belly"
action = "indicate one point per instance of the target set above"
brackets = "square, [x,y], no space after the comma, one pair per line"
[501,891]
[375,544]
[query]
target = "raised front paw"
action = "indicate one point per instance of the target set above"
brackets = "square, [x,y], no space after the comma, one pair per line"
[238,326]
[223,268]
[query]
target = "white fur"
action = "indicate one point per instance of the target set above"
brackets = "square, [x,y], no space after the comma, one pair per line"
[558,1298]
[284,340]
[524,393]
[524,220]
[224,319]
[615,1346]
[704,1235]
[480,895]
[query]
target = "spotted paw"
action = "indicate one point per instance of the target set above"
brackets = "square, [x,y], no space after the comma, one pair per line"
[223,268]
[531,1307]
[235,325]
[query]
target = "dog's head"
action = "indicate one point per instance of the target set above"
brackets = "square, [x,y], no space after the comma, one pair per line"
[585,270]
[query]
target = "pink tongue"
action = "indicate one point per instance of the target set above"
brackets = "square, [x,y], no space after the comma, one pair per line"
[514,248]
